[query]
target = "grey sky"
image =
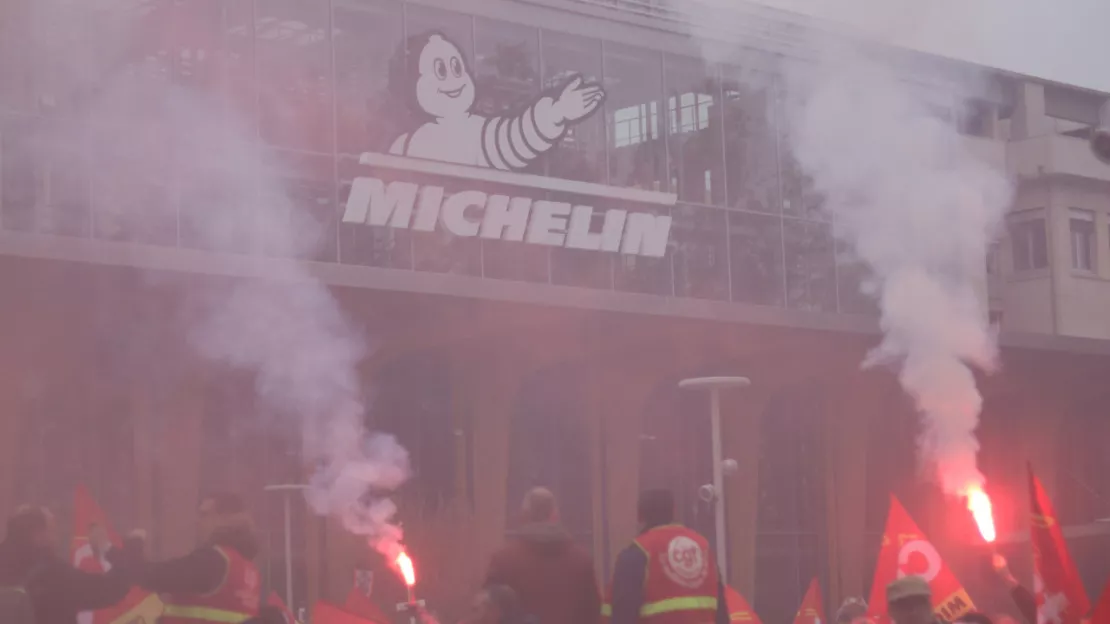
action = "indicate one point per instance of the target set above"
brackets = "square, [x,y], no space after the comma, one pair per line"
[1061,40]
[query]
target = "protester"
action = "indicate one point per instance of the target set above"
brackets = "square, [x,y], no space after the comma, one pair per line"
[974,617]
[910,601]
[552,576]
[852,611]
[668,574]
[497,604]
[1024,599]
[55,589]
[217,582]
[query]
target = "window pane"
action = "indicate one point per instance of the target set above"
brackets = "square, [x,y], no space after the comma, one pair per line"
[240,83]
[512,260]
[17,80]
[578,267]
[694,130]
[443,252]
[299,219]
[506,66]
[369,245]
[756,258]
[22,172]
[810,266]
[217,209]
[751,146]
[294,63]
[799,198]
[1030,244]
[197,35]
[369,113]
[854,284]
[126,208]
[642,274]
[700,252]
[581,154]
[633,81]
[1082,240]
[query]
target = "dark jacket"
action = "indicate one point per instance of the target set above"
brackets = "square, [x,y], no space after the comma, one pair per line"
[629,572]
[553,577]
[201,571]
[57,590]
[1026,603]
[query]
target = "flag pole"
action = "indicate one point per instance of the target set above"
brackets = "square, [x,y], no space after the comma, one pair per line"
[714,385]
[287,490]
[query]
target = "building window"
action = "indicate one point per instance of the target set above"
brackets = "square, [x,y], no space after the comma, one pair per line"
[1030,244]
[635,124]
[1082,227]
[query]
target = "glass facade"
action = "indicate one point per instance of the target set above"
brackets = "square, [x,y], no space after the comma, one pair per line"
[317,82]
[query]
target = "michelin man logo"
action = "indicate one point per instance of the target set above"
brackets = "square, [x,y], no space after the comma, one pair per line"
[442,90]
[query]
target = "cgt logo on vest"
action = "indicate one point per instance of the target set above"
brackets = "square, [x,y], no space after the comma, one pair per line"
[406,205]
[685,563]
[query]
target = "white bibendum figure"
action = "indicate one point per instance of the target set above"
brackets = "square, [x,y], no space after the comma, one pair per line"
[442,91]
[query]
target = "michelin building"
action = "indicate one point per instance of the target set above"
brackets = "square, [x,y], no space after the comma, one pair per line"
[545,213]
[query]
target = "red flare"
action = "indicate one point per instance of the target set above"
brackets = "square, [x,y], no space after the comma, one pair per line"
[404,564]
[980,505]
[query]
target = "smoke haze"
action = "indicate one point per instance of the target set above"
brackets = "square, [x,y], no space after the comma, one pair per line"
[145,131]
[915,204]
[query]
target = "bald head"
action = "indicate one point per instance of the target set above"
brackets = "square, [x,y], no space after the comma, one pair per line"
[539,506]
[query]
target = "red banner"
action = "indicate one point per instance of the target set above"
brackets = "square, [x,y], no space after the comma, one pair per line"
[812,610]
[738,608]
[907,552]
[1061,598]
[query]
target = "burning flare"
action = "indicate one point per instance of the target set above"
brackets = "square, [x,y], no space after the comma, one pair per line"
[404,564]
[980,505]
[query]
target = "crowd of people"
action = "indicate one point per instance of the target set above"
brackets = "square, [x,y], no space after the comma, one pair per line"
[667,575]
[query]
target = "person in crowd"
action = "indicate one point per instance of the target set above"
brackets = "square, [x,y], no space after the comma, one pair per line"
[852,611]
[497,604]
[668,575]
[217,582]
[1024,599]
[552,576]
[56,590]
[910,601]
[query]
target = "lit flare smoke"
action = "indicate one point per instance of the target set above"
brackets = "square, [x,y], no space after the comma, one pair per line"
[286,328]
[913,203]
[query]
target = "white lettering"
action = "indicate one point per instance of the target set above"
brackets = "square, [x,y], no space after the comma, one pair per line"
[542,222]
[506,219]
[373,203]
[579,235]
[549,223]
[427,215]
[612,229]
[646,234]
[454,212]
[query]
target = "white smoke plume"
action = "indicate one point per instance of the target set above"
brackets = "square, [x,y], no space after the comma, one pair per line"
[913,201]
[140,128]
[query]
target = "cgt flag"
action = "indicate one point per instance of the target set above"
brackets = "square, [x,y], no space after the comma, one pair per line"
[1061,598]
[89,520]
[739,611]
[812,610]
[907,552]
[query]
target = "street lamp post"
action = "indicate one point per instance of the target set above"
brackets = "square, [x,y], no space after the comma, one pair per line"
[714,385]
[287,489]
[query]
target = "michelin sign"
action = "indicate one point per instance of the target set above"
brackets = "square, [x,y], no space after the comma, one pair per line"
[452,139]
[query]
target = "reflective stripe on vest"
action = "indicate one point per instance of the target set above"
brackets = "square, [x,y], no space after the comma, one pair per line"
[685,603]
[204,614]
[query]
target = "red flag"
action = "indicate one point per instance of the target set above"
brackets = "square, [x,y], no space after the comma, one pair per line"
[139,607]
[738,609]
[1061,598]
[326,613]
[274,600]
[1101,613]
[907,552]
[812,610]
